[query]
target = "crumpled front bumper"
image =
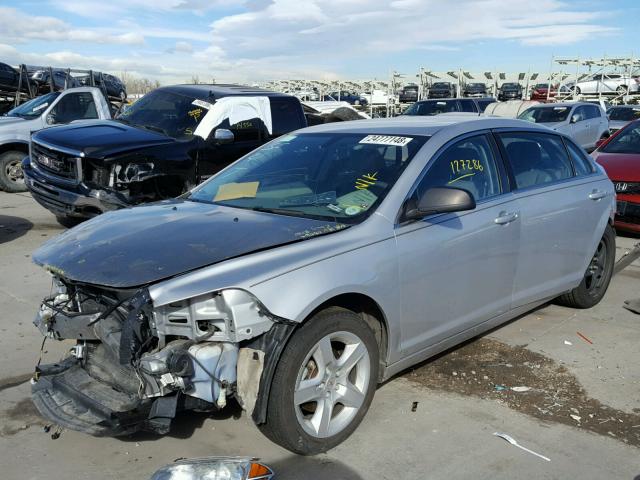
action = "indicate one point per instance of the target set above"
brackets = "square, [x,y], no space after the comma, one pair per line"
[67,199]
[68,396]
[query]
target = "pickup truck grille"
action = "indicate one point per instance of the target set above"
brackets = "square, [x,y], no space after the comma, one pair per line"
[53,162]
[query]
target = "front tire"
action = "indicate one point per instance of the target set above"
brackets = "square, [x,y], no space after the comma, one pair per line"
[323,384]
[11,175]
[597,277]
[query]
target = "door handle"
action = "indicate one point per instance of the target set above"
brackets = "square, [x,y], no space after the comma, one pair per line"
[505,218]
[597,195]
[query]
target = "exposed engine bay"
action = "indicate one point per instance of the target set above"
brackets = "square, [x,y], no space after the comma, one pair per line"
[134,366]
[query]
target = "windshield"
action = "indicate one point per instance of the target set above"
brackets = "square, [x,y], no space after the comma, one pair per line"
[174,115]
[510,86]
[476,85]
[337,176]
[626,141]
[34,108]
[545,114]
[432,108]
[624,114]
[440,85]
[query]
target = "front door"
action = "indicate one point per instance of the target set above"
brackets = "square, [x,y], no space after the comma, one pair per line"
[457,270]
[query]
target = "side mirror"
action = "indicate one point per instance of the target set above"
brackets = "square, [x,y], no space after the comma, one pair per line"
[439,200]
[222,136]
[51,119]
[575,118]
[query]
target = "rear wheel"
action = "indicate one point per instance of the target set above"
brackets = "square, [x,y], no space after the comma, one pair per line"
[324,383]
[11,176]
[597,277]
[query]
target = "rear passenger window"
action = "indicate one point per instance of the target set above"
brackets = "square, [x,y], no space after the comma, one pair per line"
[536,158]
[469,164]
[468,106]
[286,116]
[580,159]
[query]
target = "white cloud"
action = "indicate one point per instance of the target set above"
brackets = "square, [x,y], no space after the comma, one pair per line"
[18,27]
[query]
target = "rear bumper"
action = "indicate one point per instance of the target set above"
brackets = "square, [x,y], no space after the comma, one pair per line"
[77,200]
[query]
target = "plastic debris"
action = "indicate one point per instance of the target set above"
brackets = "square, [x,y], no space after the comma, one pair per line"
[584,338]
[577,418]
[499,388]
[513,442]
[414,407]
[567,342]
[520,389]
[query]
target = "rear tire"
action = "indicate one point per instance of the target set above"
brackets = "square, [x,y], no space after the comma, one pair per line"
[596,279]
[331,358]
[11,176]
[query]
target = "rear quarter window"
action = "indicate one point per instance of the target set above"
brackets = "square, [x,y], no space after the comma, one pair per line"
[581,161]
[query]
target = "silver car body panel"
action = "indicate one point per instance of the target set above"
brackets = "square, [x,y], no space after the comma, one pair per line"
[542,254]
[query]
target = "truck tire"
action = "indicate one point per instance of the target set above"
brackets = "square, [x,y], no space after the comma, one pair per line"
[596,279]
[323,384]
[68,221]
[11,176]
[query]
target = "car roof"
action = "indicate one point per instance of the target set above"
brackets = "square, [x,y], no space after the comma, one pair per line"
[208,91]
[418,125]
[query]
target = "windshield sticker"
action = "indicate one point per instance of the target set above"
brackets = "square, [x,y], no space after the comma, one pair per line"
[335,208]
[365,181]
[359,198]
[202,103]
[321,230]
[40,107]
[352,210]
[386,140]
[561,109]
[232,191]
[195,113]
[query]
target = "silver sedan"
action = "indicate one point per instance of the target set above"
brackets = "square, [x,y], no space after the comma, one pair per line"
[314,268]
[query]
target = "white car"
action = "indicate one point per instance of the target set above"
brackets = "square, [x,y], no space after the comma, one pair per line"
[606,84]
[584,122]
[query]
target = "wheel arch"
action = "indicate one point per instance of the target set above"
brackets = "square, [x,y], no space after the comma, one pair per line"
[14,146]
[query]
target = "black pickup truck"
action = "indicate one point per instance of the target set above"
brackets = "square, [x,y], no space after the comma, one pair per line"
[163,145]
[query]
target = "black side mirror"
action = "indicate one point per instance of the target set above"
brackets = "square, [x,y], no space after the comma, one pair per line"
[439,200]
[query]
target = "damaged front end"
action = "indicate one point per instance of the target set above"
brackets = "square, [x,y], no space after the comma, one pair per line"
[134,366]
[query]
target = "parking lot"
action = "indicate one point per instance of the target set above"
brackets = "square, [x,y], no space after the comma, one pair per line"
[435,421]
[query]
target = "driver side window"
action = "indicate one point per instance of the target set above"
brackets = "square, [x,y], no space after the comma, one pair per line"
[469,164]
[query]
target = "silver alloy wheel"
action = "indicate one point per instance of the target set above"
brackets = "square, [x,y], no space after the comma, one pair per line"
[332,384]
[13,171]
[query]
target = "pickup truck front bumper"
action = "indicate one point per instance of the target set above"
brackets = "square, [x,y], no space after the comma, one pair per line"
[68,199]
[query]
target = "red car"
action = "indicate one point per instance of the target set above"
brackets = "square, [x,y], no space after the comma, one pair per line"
[620,157]
[539,92]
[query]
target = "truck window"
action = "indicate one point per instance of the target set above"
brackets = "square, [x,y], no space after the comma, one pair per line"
[75,106]
[286,116]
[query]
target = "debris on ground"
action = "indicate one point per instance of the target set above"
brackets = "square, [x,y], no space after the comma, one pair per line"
[520,389]
[567,342]
[513,442]
[555,393]
[584,338]
[633,305]
[414,407]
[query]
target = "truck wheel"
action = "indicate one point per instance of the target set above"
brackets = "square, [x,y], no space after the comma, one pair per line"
[597,277]
[68,221]
[323,384]
[11,176]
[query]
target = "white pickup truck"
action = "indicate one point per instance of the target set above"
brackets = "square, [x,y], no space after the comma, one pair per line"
[51,109]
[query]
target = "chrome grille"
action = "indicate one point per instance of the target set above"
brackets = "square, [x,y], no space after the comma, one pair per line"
[54,162]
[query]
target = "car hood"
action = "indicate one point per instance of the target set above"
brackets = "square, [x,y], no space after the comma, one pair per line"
[102,138]
[620,166]
[5,121]
[142,245]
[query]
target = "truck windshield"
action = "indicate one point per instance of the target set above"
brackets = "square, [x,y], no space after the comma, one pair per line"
[169,113]
[545,114]
[34,108]
[336,176]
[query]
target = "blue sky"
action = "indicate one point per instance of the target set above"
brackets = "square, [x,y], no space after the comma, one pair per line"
[256,40]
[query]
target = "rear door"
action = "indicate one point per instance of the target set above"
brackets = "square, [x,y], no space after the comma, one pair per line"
[580,130]
[457,269]
[556,227]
